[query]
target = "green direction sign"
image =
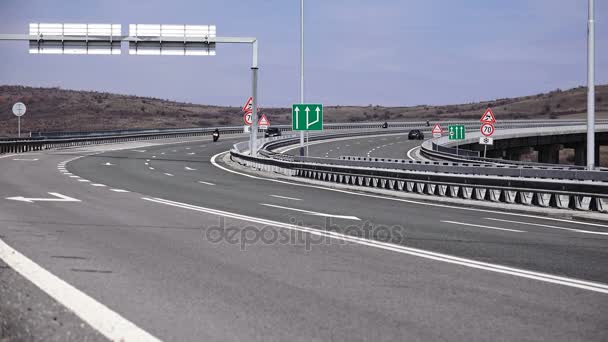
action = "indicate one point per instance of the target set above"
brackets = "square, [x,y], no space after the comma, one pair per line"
[307,117]
[457,132]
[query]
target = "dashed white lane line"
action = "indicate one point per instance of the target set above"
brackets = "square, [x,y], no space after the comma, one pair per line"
[446,258]
[119,190]
[191,153]
[206,183]
[147,164]
[484,226]
[99,185]
[169,174]
[151,168]
[313,213]
[25,159]
[189,169]
[100,317]
[285,197]
[73,176]
[84,180]
[549,226]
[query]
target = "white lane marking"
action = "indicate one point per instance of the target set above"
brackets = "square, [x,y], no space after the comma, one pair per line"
[206,183]
[147,164]
[168,175]
[549,226]
[139,151]
[59,198]
[571,282]
[189,169]
[153,156]
[67,174]
[108,164]
[191,153]
[188,148]
[84,180]
[313,213]
[162,153]
[100,317]
[409,153]
[99,185]
[119,190]
[483,226]
[285,197]
[148,160]
[151,168]
[24,159]
[73,176]
[402,200]
[7,156]
[173,151]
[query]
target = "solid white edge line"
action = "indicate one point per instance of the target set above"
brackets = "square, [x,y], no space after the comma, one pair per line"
[549,278]
[482,226]
[409,153]
[285,197]
[437,205]
[548,226]
[101,318]
[314,213]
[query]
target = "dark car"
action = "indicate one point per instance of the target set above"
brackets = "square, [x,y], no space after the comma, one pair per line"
[272,132]
[415,134]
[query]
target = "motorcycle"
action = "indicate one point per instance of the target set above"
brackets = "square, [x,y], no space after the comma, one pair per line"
[216,136]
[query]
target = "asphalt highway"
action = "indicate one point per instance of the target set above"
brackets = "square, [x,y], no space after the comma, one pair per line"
[391,146]
[168,238]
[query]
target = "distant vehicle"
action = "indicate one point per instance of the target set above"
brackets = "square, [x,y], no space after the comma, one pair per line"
[415,134]
[272,132]
[216,135]
[385,125]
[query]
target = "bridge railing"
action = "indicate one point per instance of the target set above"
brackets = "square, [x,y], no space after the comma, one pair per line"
[542,186]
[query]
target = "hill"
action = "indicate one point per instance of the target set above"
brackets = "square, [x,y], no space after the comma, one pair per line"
[55,109]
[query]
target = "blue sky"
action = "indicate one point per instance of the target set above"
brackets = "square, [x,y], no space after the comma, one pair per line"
[359,52]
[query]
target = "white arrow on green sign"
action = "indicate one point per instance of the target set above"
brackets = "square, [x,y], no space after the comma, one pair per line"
[307,117]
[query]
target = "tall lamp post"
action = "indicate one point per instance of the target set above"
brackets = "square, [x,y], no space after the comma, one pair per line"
[301,69]
[591,87]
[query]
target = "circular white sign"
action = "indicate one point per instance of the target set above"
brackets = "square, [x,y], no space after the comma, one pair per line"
[487,129]
[248,118]
[19,109]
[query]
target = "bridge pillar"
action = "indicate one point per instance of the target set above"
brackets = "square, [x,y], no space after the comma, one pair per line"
[516,153]
[580,154]
[548,154]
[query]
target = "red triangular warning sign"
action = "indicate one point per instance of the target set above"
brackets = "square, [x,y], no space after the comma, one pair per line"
[488,117]
[437,129]
[248,107]
[264,121]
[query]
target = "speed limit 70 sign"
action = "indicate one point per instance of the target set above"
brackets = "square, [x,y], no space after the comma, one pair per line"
[487,129]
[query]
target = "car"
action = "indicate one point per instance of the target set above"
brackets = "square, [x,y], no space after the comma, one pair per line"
[415,134]
[272,132]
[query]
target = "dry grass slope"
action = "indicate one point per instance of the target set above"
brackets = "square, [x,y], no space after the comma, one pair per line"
[55,109]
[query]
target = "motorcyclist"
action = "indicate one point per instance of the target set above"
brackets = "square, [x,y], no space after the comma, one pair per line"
[216,135]
[385,125]
[428,124]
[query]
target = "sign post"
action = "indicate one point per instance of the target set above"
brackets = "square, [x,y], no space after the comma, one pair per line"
[457,132]
[19,109]
[488,119]
[437,131]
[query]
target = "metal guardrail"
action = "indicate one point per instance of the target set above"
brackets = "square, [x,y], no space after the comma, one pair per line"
[538,186]
[26,145]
